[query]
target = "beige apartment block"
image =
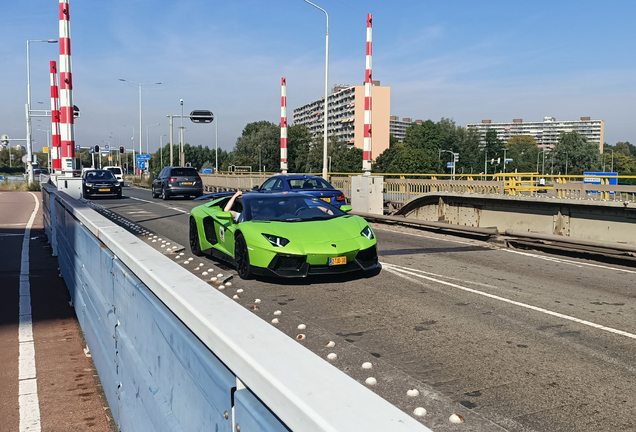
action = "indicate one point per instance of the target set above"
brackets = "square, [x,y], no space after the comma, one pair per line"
[546,132]
[346,116]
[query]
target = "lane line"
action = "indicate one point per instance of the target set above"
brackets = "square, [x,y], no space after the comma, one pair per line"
[547,258]
[569,262]
[401,271]
[430,237]
[154,202]
[28,388]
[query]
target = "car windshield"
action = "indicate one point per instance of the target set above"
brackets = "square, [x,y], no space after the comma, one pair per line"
[115,170]
[182,172]
[99,175]
[291,208]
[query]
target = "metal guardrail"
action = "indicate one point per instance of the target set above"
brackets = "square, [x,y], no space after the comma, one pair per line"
[401,188]
[444,226]
[174,354]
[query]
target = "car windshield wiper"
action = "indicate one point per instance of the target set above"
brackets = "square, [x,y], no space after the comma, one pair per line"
[293,220]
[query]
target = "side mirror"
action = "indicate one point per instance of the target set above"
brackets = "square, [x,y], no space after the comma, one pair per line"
[224,215]
[257,187]
[346,208]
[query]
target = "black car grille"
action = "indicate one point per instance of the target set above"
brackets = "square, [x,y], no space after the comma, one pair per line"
[368,257]
[287,263]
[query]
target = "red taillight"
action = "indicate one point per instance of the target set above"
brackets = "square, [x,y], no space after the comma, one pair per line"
[341,197]
[198,179]
[171,179]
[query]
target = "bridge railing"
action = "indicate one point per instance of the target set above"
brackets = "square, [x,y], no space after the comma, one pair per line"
[400,188]
[175,354]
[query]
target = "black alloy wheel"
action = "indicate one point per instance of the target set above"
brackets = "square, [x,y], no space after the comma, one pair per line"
[164,194]
[195,246]
[242,258]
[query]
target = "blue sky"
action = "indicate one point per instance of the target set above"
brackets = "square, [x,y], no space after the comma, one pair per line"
[464,60]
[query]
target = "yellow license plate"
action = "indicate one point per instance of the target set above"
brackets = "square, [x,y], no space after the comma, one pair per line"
[326,199]
[104,190]
[338,261]
[186,183]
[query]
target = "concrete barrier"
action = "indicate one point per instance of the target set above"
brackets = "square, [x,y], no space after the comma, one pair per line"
[174,354]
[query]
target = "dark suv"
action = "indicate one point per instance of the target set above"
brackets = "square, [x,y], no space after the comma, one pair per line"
[173,181]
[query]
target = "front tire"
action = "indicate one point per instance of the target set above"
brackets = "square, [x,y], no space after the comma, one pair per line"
[242,258]
[195,246]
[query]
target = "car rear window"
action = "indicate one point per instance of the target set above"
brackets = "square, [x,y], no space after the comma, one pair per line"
[310,183]
[115,170]
[177,172]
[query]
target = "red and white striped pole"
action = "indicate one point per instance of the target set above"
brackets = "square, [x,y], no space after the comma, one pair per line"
[367,155]
[283,125]
[55,120]
[67,119]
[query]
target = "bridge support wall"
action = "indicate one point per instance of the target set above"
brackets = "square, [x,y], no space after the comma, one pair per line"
[586,219]
[174,354]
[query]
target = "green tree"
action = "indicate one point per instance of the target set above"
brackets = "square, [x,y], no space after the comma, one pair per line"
[298,140]
[259,141]
[384,160]
[574,154]
[624,164]
[415,161]
[517,139]
[524,153]
[427,136]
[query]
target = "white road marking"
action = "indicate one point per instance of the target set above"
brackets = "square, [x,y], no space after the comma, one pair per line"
[154,202]
[402,271]
[543,257]
[569,262]
[178,209]
[28,388]
[13,224]
[429,237]
[143,200]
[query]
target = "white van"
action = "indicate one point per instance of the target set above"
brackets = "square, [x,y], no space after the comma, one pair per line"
[117,172]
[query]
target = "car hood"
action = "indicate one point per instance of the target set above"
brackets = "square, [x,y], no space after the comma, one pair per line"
[320,231]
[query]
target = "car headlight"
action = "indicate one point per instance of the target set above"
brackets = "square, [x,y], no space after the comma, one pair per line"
[276,241]
[366,232]
[90,185]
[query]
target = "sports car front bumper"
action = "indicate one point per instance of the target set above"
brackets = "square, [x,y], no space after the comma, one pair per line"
[291,266]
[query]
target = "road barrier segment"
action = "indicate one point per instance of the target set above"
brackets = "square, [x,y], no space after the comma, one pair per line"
[174,354]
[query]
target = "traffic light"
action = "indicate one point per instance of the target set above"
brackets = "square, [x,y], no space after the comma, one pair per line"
[122,149]
[96,149]
[125,166]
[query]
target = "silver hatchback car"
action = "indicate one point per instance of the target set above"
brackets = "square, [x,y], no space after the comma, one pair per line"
[173,181]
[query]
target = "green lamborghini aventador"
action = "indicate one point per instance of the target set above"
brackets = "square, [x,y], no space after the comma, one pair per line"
[283,234]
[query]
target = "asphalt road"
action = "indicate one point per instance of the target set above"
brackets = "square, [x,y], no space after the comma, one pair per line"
[508,339]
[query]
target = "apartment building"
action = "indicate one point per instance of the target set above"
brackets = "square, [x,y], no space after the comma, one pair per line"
[546,132]
[346,116]
[397,127]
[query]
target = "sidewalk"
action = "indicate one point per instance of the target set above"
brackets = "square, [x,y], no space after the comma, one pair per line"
[67,392]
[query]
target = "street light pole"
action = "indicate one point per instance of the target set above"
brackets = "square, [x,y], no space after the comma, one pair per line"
[326,106]
[132,144]
[140,113]
[147,126]
[29,138]
[181,155]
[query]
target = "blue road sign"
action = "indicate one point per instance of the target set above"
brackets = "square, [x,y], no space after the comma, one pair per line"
[206,171]
[77,147]
[145,157]
[107,147]
[450,164]
[141,164]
